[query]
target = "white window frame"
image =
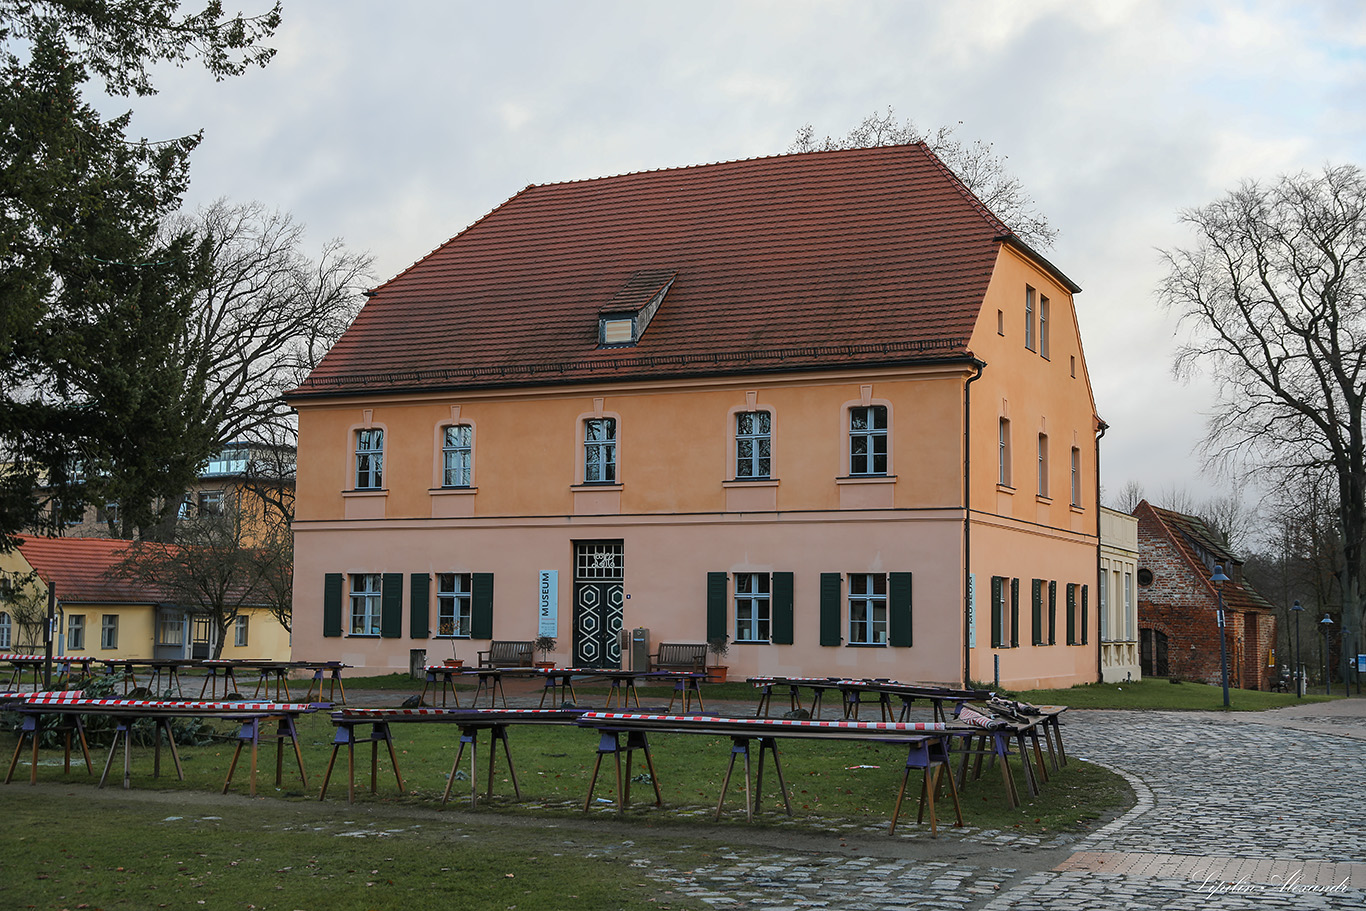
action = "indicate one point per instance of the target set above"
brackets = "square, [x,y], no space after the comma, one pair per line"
[1003,466]
[870,436]
[6,631]
[1043,326]
[109,631]
[600,451]
[1076,476]
[211,503]
[75,631]
[758,438]
[240,632]
[868,622]
[370,458]
[753,607]
[457,455]
[171,629]
[454,605]
[365,604]
[1043,465]
[1029,318]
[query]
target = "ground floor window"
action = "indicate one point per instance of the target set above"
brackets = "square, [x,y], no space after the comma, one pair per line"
[109,631]
[171,629]
[6,630]
[868,608]
[75,631]
[365,612]
[454,608]
[752,607]
[239,633]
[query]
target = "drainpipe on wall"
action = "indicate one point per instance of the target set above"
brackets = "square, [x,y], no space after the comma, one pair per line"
[47,634]
[967,518]
[1100,578]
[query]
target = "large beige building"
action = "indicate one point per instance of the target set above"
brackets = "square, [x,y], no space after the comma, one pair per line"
[825,405]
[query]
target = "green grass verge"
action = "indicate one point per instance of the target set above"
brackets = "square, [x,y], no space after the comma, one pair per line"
[1160,693]
[100,850]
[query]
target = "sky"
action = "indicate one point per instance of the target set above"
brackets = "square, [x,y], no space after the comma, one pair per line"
[395,125]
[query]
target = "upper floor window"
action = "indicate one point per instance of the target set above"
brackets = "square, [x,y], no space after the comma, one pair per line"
[868,608]
[456,453]
[752,607]
[365,604]
[600,450]
[454,610]
[1003,454]
[868,440]
[1043,325]
[211,503]
[753,444]
[369,459]
[1043,464]
[1076,476]
[1029,318]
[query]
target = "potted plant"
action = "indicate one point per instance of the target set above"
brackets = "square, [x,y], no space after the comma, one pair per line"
[719,646]
[545,645]
[448,628]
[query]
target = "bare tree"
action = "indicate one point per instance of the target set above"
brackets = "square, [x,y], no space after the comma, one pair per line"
[1130,495]
[977,164]
[1273,294]
[209,570]
[269,314]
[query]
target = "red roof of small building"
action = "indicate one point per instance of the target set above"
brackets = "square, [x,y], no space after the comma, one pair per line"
[1204,549]
[81,569]
[816,260]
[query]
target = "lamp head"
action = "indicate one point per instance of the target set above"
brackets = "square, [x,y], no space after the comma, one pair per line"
[1219,578]
[1296,606]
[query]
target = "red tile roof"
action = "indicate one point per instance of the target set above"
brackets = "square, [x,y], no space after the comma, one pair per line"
[1202,546]
[866,256]
[81,567]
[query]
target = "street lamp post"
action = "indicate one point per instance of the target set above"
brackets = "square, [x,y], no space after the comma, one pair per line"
[1326,624]
[1299,668]
[1219,579]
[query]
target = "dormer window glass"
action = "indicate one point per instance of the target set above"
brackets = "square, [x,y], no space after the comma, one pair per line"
[617,331]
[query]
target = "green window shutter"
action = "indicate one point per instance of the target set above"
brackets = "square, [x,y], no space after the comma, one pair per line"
[716,605]
[419,605]
[1052,613]
[391,606]
[481,606]
[1036,612]
[830,609]
[1085,598]
[997,608]
[332,604]
[782,609]
[899,609]
[1014,613]
[1071,613]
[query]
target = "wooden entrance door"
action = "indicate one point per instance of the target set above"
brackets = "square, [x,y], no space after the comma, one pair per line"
[598,595]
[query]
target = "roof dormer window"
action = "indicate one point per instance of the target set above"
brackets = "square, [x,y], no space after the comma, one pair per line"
[623,319]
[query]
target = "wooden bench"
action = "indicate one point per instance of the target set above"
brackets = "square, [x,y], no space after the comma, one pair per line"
[507,653]
[679,656]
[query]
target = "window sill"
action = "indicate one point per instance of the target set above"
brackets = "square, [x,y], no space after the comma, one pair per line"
[366,492]
[1079,510]
[1005,488]
[751,642]
[597,485]
[867,479]
[1045,500]
[751,482]
[362,635]
[866,645]
[452,491]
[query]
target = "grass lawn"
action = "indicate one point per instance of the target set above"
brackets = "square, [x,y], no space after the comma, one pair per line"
[1160,693]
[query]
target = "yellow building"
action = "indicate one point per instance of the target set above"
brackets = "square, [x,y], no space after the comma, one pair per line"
[824,405]
[104,616]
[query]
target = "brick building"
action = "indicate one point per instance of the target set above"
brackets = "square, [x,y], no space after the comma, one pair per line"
[1178,606]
